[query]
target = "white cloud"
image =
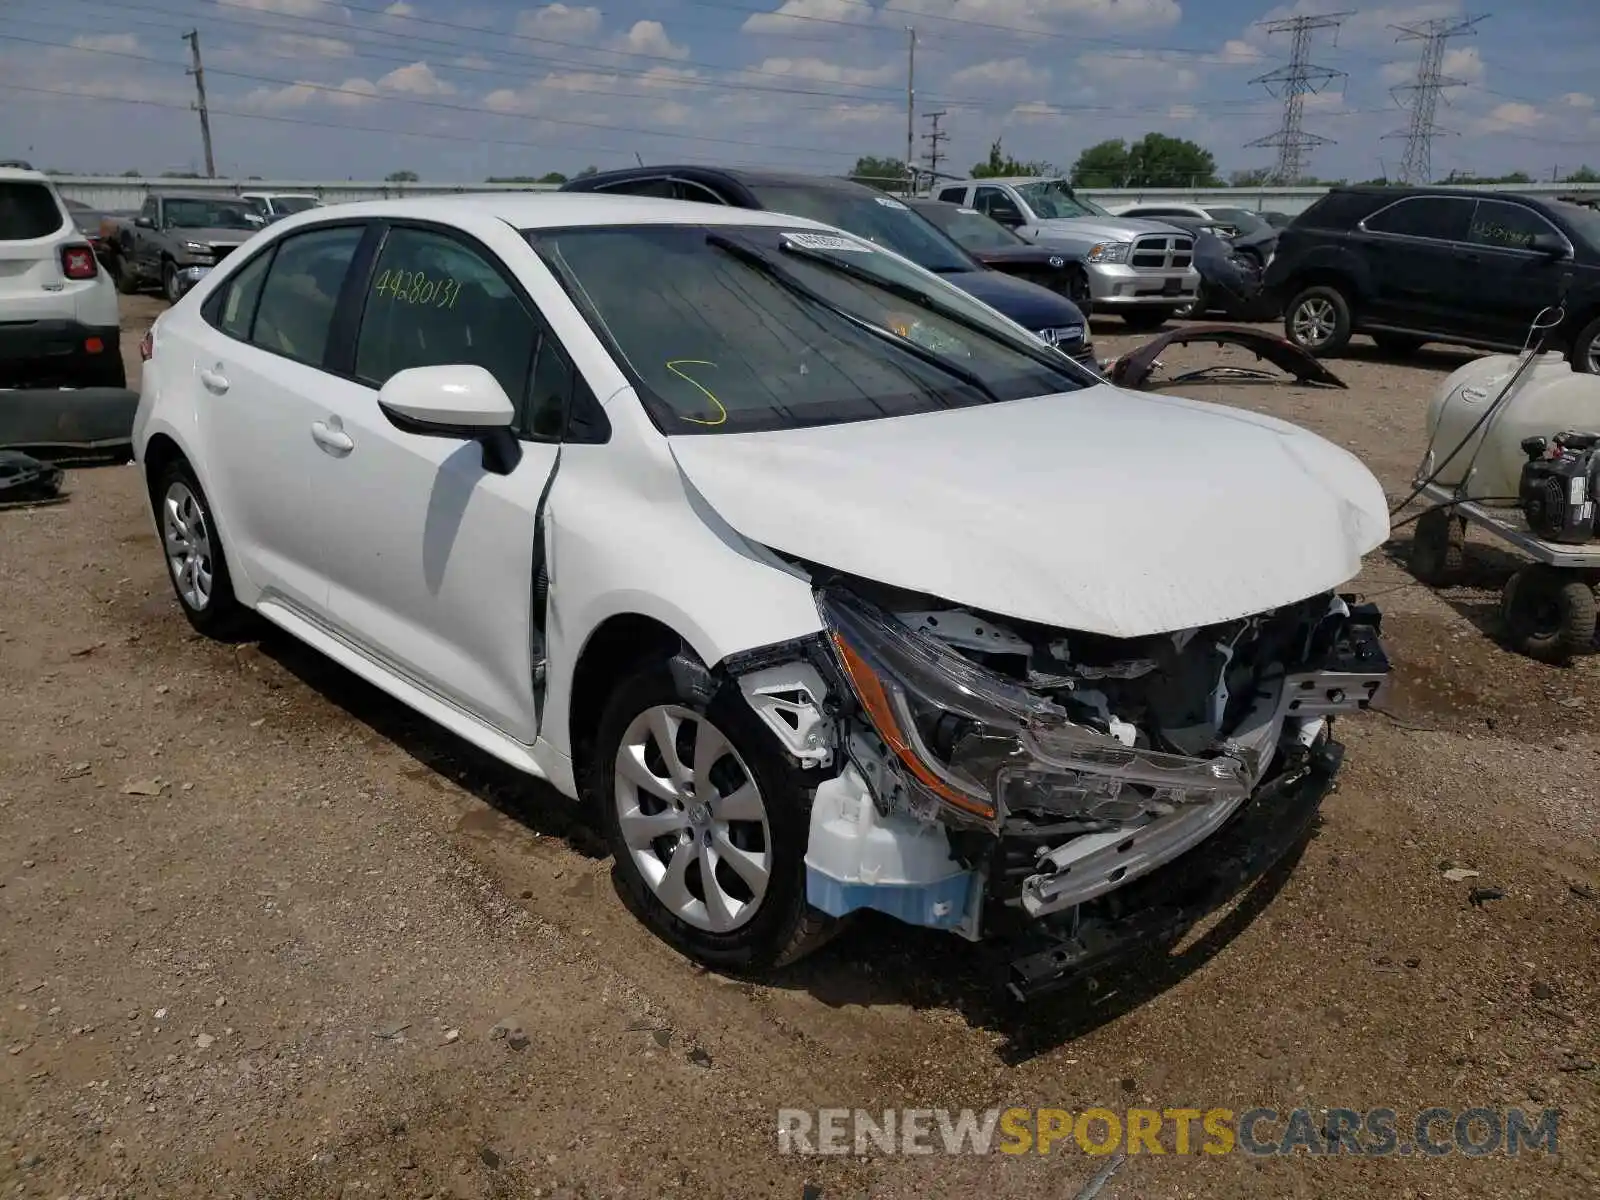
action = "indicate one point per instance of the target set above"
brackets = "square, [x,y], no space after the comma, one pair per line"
[291,8]
[1012,74]
[649,39]
[554,92]
[399,9]
[1057,15]
[817,70]
[115,43]
[303,45]
[1236,50]
[1463,63]
[352,93]
[417,79]
[858,115]
[1578,100]
[559,21]
[1034,110]
[1508,117]
[810,17]
[1182,112]
[1135,72]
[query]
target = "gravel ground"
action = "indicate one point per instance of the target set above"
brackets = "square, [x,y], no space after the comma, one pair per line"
[265,934]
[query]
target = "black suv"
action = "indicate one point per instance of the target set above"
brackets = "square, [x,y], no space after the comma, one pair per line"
[1415,265]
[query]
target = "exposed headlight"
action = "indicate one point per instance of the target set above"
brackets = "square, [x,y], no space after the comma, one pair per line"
[197,248]
[978,744]
[1109,252]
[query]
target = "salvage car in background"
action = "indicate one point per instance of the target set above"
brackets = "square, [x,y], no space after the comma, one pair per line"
[1416,265]
[868,213]
[790,558]
[1140,270]
[177,237]
[274,206]
[996,247]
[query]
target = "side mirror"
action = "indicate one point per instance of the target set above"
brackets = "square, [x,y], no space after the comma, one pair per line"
[461,401]
[1549,245]
[1008,217]
[144,222]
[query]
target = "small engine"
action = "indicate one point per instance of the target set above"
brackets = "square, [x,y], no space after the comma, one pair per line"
[1560,484]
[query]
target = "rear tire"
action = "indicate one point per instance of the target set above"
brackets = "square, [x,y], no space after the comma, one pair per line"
[127,278]
[192,547]
[1145,320]
[1318,320]
[1438,546]
[1549,613]
[1585,354]
[650,826]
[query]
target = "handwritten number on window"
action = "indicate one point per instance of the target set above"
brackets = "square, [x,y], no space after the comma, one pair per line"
[415,287]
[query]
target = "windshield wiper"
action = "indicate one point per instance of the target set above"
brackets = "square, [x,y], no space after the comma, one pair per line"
[1040,354]
[773,271]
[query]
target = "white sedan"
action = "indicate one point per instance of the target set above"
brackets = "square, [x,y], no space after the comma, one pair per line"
[828,587]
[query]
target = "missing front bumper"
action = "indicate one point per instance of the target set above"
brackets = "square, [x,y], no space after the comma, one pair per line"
[1159,908]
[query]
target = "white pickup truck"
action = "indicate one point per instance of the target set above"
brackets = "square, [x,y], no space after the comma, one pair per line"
[1142,270]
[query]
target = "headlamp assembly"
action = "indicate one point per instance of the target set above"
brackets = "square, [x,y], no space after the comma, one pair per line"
[978,745]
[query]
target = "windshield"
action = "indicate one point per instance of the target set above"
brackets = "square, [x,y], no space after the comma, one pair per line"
[1242,219]
[880,219]
[730,329]
[1054,198]
[970,227]
[1585,222]
[294,204]
[208,214]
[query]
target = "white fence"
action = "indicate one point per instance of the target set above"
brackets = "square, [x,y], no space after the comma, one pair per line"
[118,194]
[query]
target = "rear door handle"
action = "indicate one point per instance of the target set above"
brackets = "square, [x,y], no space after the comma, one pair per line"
[334,441]
[214,381]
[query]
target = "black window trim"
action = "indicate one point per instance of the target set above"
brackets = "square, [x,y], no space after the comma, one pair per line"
[210,310]
[351,309]
[1361,225]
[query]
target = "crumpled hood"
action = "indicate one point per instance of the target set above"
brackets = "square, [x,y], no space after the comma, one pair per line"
[1028,304]
[1110,229]
[214,237]
[1104,511]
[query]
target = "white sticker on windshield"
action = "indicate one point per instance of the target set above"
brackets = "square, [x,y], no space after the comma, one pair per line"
[825,241]
[887,202]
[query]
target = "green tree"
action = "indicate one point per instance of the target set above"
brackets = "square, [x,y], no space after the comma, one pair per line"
[552,177]
[1253,178]
[402,177]
[1584,174]
[999,165]
[1154,161]
[885,174]
[132,173]
[1457,178]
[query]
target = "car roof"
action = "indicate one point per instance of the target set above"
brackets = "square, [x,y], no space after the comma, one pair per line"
[554,210]
[1398,192]
[163,194]
[1011,179]
[18,174]
[749,178]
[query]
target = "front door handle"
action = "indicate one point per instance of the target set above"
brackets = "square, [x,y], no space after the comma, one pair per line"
[334,441]
[214,380]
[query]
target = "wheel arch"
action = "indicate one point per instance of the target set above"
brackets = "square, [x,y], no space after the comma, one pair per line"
[615,649]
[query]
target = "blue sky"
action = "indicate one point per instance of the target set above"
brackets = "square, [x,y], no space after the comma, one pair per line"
[308,89]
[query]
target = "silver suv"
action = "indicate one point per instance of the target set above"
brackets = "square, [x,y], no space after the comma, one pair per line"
[1142,270]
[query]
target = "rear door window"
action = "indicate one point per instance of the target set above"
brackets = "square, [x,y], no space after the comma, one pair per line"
[295,312]
[28,211]
[1507,226]
[1436,218]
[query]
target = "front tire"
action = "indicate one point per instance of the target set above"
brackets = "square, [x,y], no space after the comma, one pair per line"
[1550,614]
[708,824]
[192,546]
[171,286]
[1586,349]
[1318,320]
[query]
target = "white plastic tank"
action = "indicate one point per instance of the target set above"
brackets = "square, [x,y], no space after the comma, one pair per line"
[1550,398]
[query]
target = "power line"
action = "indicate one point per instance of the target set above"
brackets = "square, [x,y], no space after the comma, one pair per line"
[1429,86]
[1300,78]
[935,137]
[199,73]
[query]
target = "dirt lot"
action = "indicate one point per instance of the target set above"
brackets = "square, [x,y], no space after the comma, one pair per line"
[258,926]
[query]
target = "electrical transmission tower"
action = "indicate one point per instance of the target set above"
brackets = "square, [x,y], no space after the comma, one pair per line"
[1294,82]
[935,138]
[1426,91]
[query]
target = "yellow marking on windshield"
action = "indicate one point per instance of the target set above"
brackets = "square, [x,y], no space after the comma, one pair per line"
[722,413]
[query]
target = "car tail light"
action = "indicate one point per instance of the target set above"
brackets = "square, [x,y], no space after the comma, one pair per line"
[78,262]
[147,345]
[94,345]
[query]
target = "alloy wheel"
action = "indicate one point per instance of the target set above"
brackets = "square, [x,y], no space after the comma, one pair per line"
[693,818]
[1314,321]
[188,541]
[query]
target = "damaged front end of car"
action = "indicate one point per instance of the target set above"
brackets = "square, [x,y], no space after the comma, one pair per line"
[995,778]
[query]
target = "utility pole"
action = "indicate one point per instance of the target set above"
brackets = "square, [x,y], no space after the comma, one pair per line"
[1430,85]
[935,138]
[911,109]
[1299,79]
[199,73]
